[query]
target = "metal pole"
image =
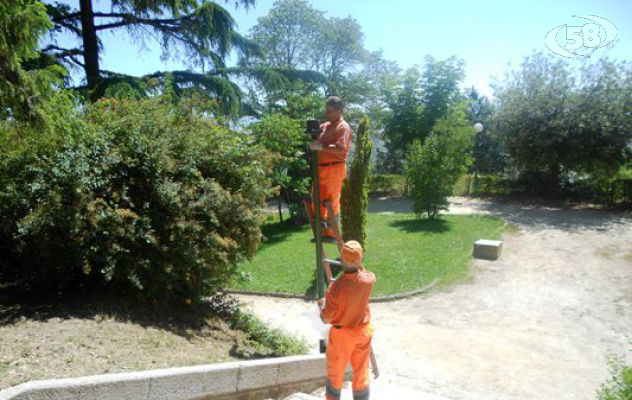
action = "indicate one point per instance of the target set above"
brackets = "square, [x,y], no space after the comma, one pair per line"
[318,238]
[318,230]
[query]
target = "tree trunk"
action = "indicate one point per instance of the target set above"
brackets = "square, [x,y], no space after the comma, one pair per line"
[280,208]
[405,192]
[90,44]
[554,180]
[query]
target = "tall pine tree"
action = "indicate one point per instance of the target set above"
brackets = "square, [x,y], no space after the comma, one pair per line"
[26,79]
[199,31]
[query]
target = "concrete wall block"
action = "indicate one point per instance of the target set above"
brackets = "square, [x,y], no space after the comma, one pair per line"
[189,382]
[107,387]
[301,369]
[241,380]
[100,387]
[258,374]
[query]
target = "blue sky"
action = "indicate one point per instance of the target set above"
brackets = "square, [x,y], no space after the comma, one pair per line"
[492,36]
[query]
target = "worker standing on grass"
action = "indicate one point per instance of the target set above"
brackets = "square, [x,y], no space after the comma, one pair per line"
[346,308]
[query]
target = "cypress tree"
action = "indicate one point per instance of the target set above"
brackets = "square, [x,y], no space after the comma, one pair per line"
[354,198]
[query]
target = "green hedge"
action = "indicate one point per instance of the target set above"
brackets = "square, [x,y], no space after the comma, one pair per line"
[475,184]
[612,191]
[150,200]
[615,191]
[386,185]
[469,184]
[601,189]
[608,191]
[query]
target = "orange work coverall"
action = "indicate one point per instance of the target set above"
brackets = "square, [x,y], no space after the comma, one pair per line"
[332,168]
[347,307]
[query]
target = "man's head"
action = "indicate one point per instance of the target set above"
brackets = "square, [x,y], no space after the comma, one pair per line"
[333,108]
[351,255]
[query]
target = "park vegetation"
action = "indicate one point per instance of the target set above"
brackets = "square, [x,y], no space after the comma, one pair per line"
[619,385]
[156,186]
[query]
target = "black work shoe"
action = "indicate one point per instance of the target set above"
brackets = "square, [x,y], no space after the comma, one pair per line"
[329,239]
[326,239]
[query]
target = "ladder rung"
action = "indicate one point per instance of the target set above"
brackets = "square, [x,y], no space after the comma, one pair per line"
[333,262]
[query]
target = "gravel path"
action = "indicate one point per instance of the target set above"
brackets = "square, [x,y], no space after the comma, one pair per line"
[538,323]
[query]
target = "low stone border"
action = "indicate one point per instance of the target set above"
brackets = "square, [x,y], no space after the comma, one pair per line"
[241,380]
[400,296]
[280,295]
[378,299]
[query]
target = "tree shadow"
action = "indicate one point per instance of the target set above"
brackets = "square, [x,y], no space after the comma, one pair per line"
[187,321]
[279,231]
[536,213]
[414,225]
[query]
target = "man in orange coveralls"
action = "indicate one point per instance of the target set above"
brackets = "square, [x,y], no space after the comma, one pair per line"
[333,146]
[346,308]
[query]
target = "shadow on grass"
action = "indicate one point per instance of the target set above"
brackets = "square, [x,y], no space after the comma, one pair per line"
[279,231]
[436,225]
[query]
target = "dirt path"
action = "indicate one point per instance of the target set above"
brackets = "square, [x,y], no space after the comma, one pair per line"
[536,324]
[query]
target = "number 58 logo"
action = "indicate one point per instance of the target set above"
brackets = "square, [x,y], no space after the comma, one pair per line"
[588,35]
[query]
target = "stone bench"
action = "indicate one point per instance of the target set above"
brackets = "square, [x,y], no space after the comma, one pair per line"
[488,249]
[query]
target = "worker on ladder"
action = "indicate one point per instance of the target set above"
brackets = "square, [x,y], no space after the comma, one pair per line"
[332,144]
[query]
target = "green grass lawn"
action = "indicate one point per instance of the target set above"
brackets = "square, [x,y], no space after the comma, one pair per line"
[404,252]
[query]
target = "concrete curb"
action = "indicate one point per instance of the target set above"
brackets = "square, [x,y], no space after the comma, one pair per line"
[253,380]
[401,296]
[379,299]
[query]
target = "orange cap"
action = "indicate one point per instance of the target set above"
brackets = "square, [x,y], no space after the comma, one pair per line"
[351,252]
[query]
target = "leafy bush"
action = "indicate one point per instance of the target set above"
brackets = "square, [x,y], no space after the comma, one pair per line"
[600,186]
[619,386]
[386,185]
[354,199]
[257,332]
[151,200]
[279,341]
[284,137]
[552,122]
[434,167]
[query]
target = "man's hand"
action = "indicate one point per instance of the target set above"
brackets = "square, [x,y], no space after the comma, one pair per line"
[316,146]
[321,305]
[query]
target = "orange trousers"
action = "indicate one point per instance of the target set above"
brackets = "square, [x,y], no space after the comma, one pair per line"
[349,345]
[331,179]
